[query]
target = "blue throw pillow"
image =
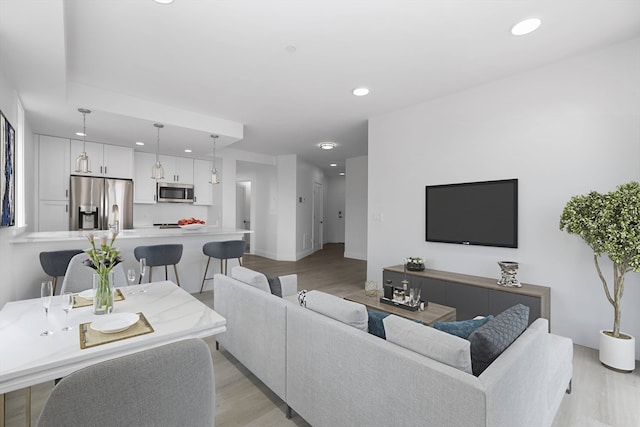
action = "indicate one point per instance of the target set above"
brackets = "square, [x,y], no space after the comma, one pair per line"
[461,328]
[491,339]
[376,327]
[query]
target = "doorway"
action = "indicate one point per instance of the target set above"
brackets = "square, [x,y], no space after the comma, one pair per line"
[318,216]
[243,210]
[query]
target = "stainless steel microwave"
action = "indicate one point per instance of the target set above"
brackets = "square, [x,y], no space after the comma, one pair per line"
[174,193]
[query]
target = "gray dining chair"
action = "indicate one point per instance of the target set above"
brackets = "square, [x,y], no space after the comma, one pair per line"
[158,256]
[222,251]
[79,277]
[55,263]
[154,387]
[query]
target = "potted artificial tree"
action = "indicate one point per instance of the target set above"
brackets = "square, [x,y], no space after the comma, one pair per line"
[610,224]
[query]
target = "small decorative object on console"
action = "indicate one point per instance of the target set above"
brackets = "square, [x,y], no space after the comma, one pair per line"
[414,264]
[371,288]
[509,270]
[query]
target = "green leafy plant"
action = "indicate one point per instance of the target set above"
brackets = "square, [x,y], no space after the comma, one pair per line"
[610,224]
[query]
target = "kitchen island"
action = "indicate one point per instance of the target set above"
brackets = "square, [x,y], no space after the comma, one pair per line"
[27,247]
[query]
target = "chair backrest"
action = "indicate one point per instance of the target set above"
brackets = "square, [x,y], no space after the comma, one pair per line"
[55,263]
[79,277]
[171,385]
[157,255]
[225,250]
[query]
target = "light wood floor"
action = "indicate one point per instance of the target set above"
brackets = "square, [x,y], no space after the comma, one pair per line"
[600,396]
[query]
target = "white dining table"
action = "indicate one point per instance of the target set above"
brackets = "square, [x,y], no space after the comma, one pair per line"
[27,358]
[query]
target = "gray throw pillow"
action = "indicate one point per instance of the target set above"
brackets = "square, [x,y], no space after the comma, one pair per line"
[491,339]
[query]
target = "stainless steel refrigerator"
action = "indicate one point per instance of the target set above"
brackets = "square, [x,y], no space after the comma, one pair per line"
[100,203]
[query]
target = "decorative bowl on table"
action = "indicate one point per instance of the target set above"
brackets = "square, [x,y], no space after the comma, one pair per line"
[191,226]
[414,264]
[191,223]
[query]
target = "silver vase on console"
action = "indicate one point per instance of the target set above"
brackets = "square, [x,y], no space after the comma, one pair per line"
[508,270]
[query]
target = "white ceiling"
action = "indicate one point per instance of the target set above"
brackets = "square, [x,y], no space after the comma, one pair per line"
[224,66]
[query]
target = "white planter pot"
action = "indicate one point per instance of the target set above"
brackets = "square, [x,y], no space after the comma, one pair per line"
[618,353]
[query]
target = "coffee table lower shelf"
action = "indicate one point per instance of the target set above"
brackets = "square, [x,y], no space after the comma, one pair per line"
[432,312]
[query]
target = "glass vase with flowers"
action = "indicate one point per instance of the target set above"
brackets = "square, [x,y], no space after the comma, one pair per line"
[103,258]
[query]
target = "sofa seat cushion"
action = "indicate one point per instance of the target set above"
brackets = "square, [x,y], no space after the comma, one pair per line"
[432,343]
[344,311]
[491,339]
[461,328]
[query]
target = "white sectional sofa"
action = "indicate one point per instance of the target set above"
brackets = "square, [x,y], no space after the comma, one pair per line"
[333,374]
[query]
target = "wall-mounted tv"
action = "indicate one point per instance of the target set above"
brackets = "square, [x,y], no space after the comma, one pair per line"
[473,213]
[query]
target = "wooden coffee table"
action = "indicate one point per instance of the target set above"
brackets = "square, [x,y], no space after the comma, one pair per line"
[432,312]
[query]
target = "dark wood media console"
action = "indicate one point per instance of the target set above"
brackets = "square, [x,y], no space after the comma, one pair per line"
[473,295]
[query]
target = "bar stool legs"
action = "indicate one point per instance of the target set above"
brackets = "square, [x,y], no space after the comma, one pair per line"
[223,270]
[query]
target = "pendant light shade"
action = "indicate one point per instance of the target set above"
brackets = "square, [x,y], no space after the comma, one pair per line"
[157,171]
[215,179]
[83,165]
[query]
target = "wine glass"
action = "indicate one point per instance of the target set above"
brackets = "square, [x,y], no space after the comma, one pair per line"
[46,293]
[143,272]
[415,296]
[131,277]
[67,305]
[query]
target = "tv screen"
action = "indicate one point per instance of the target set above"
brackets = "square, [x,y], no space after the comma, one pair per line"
[473,213]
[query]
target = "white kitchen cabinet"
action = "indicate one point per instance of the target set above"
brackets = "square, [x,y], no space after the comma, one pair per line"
[53,215]
[53,168]
[144,187]
[106,160]
[177,169]
[202,189]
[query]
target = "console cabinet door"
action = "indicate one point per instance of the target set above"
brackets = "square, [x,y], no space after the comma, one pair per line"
[500,301]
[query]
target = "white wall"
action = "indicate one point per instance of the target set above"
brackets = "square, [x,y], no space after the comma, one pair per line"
[334,195]
[355,244]
[563,130]
[286,215]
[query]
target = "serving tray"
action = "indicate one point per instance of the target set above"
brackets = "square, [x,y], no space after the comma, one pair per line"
[399,304]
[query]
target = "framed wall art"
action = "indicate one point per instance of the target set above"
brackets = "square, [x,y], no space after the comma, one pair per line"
[7,173]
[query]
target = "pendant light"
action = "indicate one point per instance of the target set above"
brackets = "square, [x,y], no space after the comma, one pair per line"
[82,162]
[157,172]
[214,172]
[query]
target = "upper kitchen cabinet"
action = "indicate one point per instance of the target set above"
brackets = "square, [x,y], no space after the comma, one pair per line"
[53,168]
[177,169]
[106,160]
[202,188]
[144,187]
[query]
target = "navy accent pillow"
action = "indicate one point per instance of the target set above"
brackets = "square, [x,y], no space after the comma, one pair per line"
[461,328]
[376,327]
[491,339]
[274,285]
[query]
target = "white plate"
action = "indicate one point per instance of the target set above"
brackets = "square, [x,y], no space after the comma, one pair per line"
[115,322]
[192,226]
[88,294]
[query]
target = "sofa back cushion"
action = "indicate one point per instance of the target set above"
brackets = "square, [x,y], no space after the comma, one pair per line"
[250,277]
[437,345]
[344,311]
[491,339]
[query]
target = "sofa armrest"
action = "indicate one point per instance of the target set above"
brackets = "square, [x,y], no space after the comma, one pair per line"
[289,284]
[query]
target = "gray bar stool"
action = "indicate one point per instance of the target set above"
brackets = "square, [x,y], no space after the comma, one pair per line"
[55,263]
[222,251]
[160,255]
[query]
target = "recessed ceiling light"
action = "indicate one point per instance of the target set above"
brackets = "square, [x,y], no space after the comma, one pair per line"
[361,91]
[327,145]
[186,150]
[164,1]
[290,49]
[139,143]
[525,27]
[341,173]
[333,165]
[80,134]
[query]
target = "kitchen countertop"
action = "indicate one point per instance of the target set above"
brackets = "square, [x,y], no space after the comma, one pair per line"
[136,233]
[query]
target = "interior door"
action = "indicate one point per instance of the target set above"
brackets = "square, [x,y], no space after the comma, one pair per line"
[318,216]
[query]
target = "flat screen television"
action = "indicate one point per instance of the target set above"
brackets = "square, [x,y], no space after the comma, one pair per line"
[473,213]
